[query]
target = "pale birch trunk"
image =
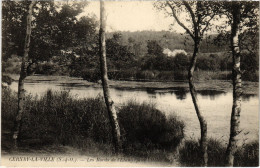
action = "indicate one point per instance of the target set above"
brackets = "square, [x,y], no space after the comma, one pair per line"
[103,65]
[23,74]
[202,121]
[237,86]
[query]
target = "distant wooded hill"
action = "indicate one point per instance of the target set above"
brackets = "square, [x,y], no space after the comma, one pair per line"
[168,40]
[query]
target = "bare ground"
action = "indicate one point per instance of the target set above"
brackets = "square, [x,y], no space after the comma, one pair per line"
[65,156]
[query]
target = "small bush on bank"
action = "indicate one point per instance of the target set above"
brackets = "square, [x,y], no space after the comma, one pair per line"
[12,64]
[245,156]
[166,75]
[9,105]
[190,154]
[145,75]
[145,127]
[222,75]
[91,75]
[250,76]
[181,75]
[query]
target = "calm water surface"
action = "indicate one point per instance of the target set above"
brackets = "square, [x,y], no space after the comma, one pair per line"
[215,105]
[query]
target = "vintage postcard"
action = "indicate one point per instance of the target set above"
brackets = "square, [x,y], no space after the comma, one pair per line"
[129,83]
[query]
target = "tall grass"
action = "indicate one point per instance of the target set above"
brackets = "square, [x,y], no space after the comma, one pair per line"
[246,155]
[57,118]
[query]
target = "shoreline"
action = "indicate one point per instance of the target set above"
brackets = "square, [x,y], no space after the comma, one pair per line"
[249,88]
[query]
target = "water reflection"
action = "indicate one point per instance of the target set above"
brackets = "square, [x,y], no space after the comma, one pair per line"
[212,94]
[247,97]
[181,93]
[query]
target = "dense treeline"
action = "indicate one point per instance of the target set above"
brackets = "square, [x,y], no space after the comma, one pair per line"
[122,59]
[167,39]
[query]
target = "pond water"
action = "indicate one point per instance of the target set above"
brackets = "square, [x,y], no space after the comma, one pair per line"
[215,105]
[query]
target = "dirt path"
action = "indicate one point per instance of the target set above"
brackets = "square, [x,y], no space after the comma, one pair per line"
[71,157]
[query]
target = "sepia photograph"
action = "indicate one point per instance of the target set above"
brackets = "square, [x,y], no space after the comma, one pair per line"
[129,83]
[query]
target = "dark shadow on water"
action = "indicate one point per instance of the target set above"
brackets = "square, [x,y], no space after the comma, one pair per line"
[211,93]
[153,96]
[179,92]
[43,80]
[79,86]
[127,89]
[38,80]
[72,85]
[247,97]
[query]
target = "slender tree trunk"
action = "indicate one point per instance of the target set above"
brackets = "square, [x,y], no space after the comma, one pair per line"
[202,121]
[103,65]
[23,74]
[237,87]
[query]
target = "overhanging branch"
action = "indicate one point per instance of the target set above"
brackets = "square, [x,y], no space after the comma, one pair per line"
[179,22]
[186,4]
[207,25]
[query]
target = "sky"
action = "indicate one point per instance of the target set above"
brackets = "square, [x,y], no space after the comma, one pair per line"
[132,16]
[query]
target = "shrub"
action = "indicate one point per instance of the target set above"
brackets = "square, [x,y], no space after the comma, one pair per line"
[247,155]
[216,153]
[190,154]
[166,75]
[12,64]
[45,68]
[126,74]
[181,62]
[250,76]
[7,79]
[145,128]
[222,75]
[91,75]
[145,75]
[9,105]
[115,74]
[181,75]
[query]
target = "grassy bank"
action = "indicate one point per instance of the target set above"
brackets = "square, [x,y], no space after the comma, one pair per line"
[246,155]
[57,118]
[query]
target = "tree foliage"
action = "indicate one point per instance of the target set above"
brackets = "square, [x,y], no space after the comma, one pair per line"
[119,56]
[57,30]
